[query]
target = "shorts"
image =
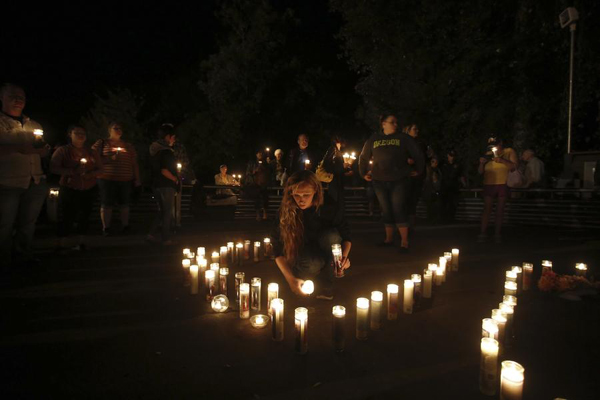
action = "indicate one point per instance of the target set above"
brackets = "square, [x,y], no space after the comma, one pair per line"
[494,191]
[114,192]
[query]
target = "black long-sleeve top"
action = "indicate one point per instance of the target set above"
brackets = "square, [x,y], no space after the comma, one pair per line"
[328,216]
[390,155]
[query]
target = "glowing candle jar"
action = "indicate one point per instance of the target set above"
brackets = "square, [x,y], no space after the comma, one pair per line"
[546,266]
[409,287]
[268,247]
[239,279]
[512,378]
[277,306]
[202,264]
[434,273]
[255,286]
[244,305]
[239,249]
[194,279]
[509,311]
[448,257]
[215,268]
[500,317]
[455,253]
[220,303]
[488,367]
[179,167]
[214,257]
[301,319]
[230,251]
[427,284]
[489,328]
[186,251]
[223,276]
[339,320]
[247,244]
[308,287]
[211,289]
[392,306]
[519,271]
[580,269]
[362,318]
[442,270]
[201,252]
[83,161]
[417,292]
[376,302]
[336,251]
[510,288]
[223,256]
[259,321]
[511,276]
[185,263]
[307,163]
[256,251]
[38,134]
[272,293]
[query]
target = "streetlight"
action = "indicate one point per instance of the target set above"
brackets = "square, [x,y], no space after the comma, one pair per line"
[569,18]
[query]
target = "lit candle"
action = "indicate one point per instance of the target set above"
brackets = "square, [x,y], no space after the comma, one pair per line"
[434,274]
[54,192]
[442,270]
[185,263]
[223,275]
[301,318]
[230,251]
[339,319]
[500,317]
[209,277]
[308,287]
[256,251]
[277,306]
[448,257]
[202,264]
[215,268]
[244,304]
[272,293]
[186,251]
[580,269]
[392,292]
[408,296]
[214,257]
[511,381]
[527,273]
[194,279]
[247,244]
[455,253]
[83,161]
[268,247]
[223,256]
[510,300]
[336,251]
[511,276]
[417,292]
[239,248]
[267,149]
[488,367]
[489,328]
[119,150]
[495,151]
[239,279]
[440,276]
[179,167]
[201,252]
[38,133]
[509,311]
[376,302]
[362,318]
[306,163]
[259,321]
[220,303]
[255,286]
[427,283]
[519,271]
[546,266]
[510,288]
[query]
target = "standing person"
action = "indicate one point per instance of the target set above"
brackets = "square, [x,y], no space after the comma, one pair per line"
[416,180]
[454,179]
[309,223]
[390,173]
[258,175]
[165,183]
[334,163]
[301,158]
[431,190]
[78,166]
[278,169]
[23,187]
[494,167]
[224,179]
[120,171]
[533,175]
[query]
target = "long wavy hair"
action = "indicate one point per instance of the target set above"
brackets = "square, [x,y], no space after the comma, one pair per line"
[291,224]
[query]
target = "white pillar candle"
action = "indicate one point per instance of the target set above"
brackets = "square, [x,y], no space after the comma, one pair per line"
[202,265]
[230,252]
[339,336]
[214,257]
[546,266]
[510,288]
[244,304]
[255,289]
[580,269]
[527,275]
[512,380]
[519,271]
[259,321]
[509,311]
[247,244]
[511,276]
[489,328]
[211,289]
[392,306]
[223,261]
[186,251]
[277,306]
[201,251]
[500,317]
[442,270]
[408,296]
[215,268]
[194,279]
[455,253]
[239,249]
[376,302]
[301,319]
[448,257]
[427,284]
[268,247]
[272,293]
[362,318]
[510,300]
[434,271]
[256,251]
[239,279]
[488,367]
[308,287]
[223,276]
[185,263]
[418,289]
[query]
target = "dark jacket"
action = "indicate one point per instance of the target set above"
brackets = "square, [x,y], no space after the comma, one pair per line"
[296,160]
[162,157]
[390,155]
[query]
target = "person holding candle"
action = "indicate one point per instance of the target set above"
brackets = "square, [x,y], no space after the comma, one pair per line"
[390,174]
[278,168]
[417,180]
[223,179]
[338,165]
[297,160]
[120,170]
[308,224]
[23,187]
[258,175]
[78,166]
[495,167]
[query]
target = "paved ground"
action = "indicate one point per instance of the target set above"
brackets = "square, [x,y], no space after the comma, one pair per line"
[115,322]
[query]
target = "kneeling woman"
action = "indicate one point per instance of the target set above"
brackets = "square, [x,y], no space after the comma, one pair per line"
[309,224]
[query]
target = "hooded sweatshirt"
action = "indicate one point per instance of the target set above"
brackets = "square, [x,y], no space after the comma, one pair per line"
[162,157]
[390,154]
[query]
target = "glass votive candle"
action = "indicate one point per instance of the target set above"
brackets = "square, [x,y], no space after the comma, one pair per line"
[308,287]
[220,303]
[581,269]
[512,378]
[259,321]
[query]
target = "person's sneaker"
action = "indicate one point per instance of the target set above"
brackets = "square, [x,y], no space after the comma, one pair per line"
[325,294]
[497,239]
[482,238]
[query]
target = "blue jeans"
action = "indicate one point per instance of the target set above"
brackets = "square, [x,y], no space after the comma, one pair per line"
[314,260]
[19,209]
[393,200]
[114,192]
[165,197]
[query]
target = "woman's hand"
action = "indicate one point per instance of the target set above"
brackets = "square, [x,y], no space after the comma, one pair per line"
[345,263]
[368,178]
[296,286]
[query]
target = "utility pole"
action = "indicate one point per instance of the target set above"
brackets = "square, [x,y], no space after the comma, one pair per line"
[569,18]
